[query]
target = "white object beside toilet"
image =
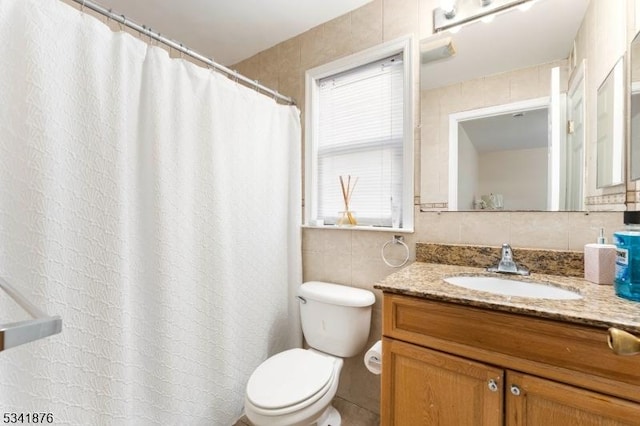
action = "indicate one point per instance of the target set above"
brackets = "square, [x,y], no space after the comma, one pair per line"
[373,358]
[295,387]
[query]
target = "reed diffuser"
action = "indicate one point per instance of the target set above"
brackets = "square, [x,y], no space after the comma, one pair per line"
[346,217]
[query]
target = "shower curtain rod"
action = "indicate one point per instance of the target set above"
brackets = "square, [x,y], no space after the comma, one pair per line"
[253,84]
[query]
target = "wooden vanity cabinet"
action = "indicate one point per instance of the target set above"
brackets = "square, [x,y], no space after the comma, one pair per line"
[449,364]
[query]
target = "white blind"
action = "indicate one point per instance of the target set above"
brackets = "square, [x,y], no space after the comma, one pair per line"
[360,133]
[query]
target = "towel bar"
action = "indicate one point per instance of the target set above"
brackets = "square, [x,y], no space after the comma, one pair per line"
[17,333]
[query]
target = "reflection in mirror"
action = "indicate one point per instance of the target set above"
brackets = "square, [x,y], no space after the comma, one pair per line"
[502,157]
[635,108]
[497,65]
[610,128]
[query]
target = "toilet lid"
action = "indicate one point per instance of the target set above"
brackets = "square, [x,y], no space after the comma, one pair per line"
[289,378]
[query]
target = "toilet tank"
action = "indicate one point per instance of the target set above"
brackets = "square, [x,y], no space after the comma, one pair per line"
[335,318]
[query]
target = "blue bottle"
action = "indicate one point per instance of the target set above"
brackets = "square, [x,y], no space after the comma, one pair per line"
[627,241]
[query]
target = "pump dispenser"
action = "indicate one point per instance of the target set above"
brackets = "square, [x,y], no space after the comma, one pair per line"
[600,261]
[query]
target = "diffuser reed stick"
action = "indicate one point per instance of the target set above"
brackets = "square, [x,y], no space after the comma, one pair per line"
[347,217]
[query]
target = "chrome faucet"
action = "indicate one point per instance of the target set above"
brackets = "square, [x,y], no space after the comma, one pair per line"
[507,265]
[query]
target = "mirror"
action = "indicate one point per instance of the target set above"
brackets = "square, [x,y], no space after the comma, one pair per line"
[503,156]
[494,113]
[635,108]
[610,128]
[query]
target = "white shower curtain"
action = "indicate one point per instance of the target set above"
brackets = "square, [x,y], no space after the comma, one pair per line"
[153,205]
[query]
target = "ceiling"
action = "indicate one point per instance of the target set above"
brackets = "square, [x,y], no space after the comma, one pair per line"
[515,39]
[230,31]
[527,130]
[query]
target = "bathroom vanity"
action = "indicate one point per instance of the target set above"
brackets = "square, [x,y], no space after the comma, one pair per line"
[453,356]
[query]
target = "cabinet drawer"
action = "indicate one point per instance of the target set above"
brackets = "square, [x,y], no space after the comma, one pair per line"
[570,353]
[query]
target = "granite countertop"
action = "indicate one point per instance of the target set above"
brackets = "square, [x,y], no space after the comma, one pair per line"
[599,306]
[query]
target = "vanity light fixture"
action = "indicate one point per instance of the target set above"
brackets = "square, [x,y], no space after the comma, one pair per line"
[453,13]
[448,8]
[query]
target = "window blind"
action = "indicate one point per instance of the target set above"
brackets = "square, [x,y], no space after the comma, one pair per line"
[360,133]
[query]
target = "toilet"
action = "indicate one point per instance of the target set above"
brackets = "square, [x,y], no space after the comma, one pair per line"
[296,387]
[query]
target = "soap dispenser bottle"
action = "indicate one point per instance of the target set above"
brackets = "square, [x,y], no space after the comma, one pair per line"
[600,261]
[627,279]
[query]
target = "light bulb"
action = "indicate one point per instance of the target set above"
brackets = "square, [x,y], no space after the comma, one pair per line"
[448,7]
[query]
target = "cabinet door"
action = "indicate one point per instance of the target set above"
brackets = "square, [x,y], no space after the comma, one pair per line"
[533,401]
[425,387]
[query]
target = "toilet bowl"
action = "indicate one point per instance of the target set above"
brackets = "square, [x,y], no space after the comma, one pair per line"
[296,387]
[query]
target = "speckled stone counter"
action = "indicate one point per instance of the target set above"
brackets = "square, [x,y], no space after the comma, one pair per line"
[598,307]
[565,263]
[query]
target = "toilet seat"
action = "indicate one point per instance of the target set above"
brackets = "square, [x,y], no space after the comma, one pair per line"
[290,380]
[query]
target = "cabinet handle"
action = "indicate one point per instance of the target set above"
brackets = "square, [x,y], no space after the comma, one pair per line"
[493,385]
[623,343]
[515,390]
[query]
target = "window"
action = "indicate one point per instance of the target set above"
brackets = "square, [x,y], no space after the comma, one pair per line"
[359,124]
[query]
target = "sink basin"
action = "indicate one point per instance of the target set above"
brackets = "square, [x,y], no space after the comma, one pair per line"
[507,287]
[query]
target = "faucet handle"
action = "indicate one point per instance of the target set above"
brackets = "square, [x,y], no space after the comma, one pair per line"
[506,264]
[507,253]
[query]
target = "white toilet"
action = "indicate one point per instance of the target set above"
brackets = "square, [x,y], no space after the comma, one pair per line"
[295,387]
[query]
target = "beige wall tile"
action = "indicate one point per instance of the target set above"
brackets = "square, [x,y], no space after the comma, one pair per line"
[269,63]
[540,230]
[313,268]
[584,228]
[337,34]
[314,50]
[495,91]
[436,227]
[451,99]
[485,228]
[400,18]
[313,240]
[337,268]
[524,84]
[366,26]
[337,241]
[289,54]
[366,245]
[249,67]
[429,166]
[291,84]
[473,96]
[431,128]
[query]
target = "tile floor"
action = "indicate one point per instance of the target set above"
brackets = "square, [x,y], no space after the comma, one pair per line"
[352,415]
